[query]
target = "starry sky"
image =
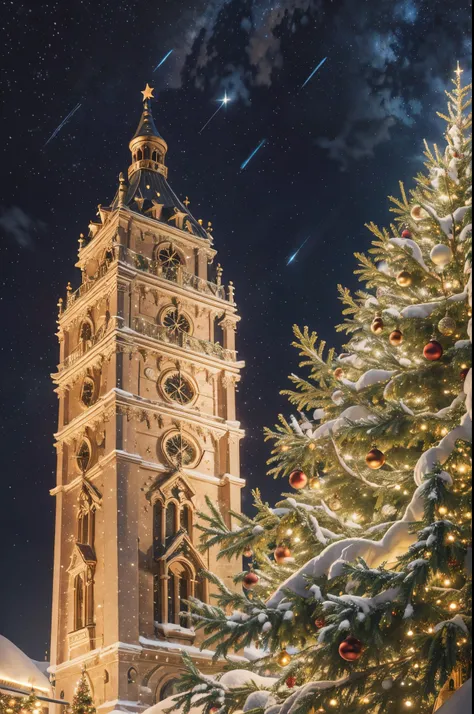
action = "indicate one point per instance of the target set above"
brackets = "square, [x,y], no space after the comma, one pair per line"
[334,150]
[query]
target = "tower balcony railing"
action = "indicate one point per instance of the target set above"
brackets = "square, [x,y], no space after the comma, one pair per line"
[82,348]
[175,274]
[182,339]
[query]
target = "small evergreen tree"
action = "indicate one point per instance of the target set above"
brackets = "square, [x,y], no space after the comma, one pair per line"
[358,593]
[82,702]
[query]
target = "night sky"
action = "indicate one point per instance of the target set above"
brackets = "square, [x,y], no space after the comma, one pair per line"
[334,151]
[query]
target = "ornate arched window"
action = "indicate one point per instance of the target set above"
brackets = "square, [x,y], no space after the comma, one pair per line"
[186,519]
[79,602]
[86,522]
[179,591]
[146,152]
[132,675]
[86,333]
[200,588]
[139,155]
[171,520]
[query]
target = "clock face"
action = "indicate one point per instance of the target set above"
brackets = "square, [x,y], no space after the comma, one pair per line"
[178,388]
[176,322]
[181,450]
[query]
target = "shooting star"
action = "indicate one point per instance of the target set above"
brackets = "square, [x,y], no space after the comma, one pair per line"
[163,60]
[224,103]
[314,72]
[63,124]
[293,257]
[246,163]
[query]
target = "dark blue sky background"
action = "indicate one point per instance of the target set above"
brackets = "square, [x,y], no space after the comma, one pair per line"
[334,151]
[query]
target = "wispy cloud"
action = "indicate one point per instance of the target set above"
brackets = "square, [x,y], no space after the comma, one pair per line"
[19,226]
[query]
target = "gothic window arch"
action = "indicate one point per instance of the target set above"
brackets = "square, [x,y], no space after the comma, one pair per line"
[146,152]
[186,519]
[180,589]
[139,155]
[132,675]
[154,156]
[86,521]
[79,602]
[86,334]
[172,516]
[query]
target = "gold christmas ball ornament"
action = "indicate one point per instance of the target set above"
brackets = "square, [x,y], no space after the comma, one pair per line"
[284,659]
[339,373]
[441,255]
[404,279]
[396,338]
[375,459]
[447,326]
[315,484]
[377,325]
[418,213]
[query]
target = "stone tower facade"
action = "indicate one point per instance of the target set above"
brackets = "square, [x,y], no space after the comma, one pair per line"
[147,430]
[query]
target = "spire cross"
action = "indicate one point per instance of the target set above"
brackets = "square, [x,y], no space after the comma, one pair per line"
[187,202]
[459,71]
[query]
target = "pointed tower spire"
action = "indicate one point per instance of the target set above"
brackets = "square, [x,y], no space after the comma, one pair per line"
[147,146]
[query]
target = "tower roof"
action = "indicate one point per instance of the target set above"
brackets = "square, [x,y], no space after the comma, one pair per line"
[147,126]
[148,191]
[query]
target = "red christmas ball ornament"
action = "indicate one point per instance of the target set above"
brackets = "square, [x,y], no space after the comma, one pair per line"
[464,372]
[433,351]
[282,554]
[351,649]
[320,623]
[375,459]
[406,233]
[251,580]
[291,682]
[339,373]
[298,480]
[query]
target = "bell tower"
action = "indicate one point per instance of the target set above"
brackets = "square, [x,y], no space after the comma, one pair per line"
[147,429]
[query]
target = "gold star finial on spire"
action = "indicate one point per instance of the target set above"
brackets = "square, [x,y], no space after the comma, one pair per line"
[148,92]
[459,71]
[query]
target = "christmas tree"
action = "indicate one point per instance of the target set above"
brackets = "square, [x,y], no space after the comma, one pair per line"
[82,702]
[357,596]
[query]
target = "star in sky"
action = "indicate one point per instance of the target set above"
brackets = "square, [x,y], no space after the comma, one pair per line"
[148,92]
